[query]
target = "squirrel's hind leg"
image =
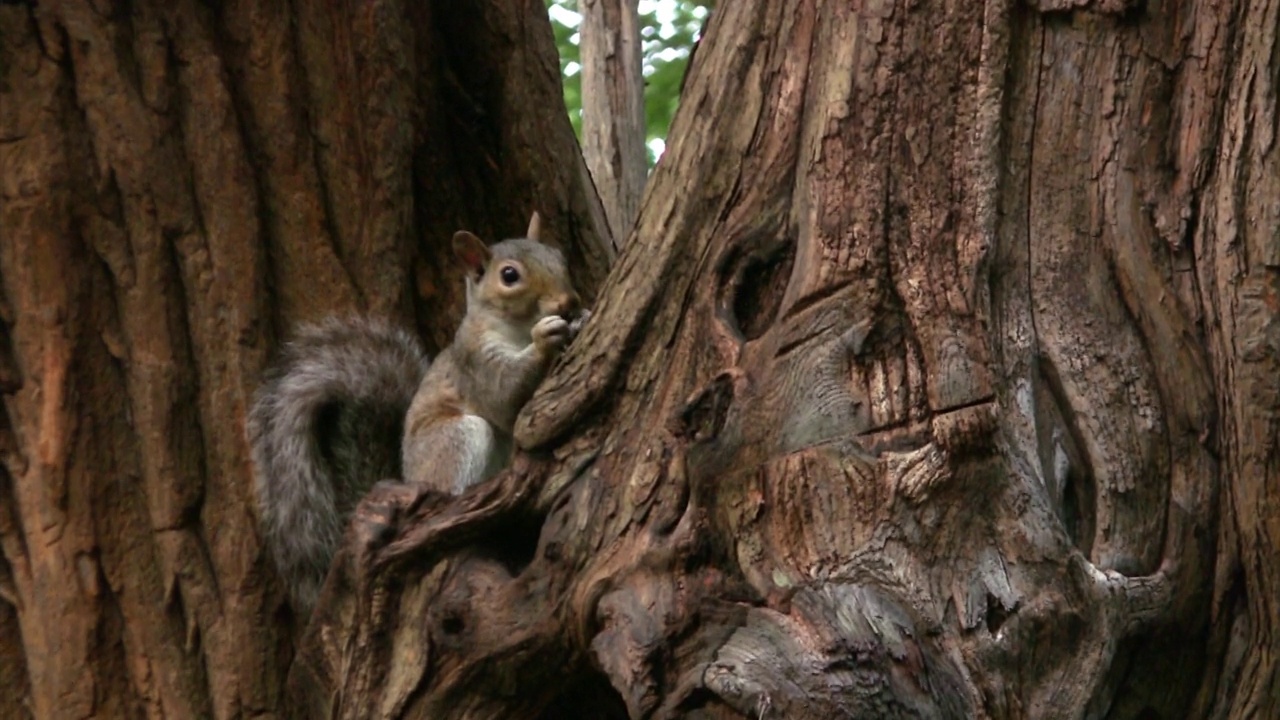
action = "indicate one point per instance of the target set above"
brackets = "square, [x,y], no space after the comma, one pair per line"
[451,456]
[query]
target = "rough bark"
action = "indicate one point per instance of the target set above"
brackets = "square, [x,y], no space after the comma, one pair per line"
[937,380]
[181,182]
[613,120]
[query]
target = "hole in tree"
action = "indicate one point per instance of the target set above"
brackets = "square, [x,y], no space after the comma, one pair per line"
[1077,510]
[996,614]
[755,282]
[453,624]
[588,696]
[513,544]
[704,417]
[1065,465]
[702,703]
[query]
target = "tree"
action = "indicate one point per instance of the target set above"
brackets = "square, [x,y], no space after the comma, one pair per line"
[622,74]
[182,182]
[613,109]
[668,30]
[937,380]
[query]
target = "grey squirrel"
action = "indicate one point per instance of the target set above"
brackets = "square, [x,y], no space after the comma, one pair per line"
[352,402]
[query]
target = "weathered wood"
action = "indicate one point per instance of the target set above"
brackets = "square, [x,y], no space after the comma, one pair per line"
[937,380]
[900,403]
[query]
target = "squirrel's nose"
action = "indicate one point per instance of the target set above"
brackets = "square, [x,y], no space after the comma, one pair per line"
[567,306]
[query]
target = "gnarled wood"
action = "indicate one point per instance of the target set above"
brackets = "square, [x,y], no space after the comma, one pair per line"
[900,403]
[938,379]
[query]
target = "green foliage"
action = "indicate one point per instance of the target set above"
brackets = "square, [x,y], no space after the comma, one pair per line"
[668,30]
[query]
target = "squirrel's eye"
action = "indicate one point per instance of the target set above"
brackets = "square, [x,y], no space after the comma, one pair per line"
[509,275]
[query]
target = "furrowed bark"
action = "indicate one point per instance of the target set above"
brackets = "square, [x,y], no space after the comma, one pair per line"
[902,401]
[181,183]
[936,379]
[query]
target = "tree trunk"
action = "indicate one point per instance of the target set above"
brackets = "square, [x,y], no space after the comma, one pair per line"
[942,332]
[613,120]
[180,183]
[937,380]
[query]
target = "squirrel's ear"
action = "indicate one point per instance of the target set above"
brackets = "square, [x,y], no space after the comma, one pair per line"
[535,227]
[472,251]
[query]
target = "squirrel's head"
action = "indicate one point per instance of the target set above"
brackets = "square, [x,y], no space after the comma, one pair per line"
[522,280]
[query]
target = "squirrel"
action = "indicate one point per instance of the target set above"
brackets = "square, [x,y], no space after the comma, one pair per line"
[355,401]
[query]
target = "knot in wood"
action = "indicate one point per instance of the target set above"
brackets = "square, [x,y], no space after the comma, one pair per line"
[703,416]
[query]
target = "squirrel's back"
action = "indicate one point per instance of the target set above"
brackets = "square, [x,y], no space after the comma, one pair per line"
[325,425]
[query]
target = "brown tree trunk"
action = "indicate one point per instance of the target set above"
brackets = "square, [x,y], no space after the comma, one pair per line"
[939,379]
[613,121]
[180,183]
[935,382]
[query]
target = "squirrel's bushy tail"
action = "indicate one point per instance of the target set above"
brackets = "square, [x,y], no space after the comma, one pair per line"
[325,425]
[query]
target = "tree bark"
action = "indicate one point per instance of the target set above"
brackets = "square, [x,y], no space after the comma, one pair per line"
[613,119]
[180,183]
[937,380]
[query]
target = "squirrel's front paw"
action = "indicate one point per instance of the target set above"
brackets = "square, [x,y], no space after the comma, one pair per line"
[551,334]
[575,326]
